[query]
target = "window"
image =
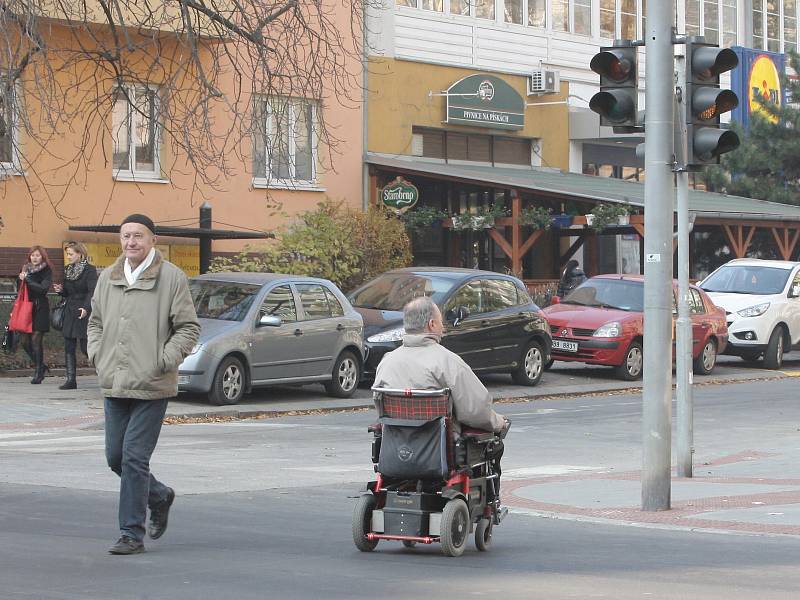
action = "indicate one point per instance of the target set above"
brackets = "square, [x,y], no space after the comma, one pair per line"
[436,5]
[572,15]
[484,9]
[7,125]
[536,13]
[560,10]
[285,140]
[627,19]
[789,25]
[334,304]
[468,296]
[411,3]
[773,25]
[711,21]
[499,294]
[728,25]
[608,18]
[513,11]
[314,301]
[279,303]
[135,131]
[696,306]
[460,7]
[455,146]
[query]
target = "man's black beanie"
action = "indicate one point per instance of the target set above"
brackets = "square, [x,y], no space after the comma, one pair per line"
[141,219]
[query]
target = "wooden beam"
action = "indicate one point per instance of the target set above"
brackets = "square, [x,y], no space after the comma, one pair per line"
[516,251]
[785,245]
[532,238]
[571,250]
[639,229]
[501,241]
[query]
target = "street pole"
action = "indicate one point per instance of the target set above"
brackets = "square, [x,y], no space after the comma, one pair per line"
[683,328]
[658,219]
[205,240]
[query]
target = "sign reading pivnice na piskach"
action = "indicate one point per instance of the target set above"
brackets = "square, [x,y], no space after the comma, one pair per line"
[485,101]
[399,195]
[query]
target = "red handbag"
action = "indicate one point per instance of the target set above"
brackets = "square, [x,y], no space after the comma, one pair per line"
[21,318]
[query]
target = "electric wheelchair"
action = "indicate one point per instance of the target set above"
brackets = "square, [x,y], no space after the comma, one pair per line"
[432,485]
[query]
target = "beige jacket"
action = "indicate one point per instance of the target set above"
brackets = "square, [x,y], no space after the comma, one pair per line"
[422,363]
[140,334]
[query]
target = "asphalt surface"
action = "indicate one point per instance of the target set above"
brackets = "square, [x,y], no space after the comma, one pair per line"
[264,509]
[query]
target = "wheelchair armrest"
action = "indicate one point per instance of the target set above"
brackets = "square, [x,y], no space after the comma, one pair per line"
[375,428]
[479,436]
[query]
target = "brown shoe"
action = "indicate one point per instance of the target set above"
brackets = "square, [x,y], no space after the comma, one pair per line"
[127,545]
[159,515]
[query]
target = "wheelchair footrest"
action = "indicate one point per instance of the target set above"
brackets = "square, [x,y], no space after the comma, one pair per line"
[500,514]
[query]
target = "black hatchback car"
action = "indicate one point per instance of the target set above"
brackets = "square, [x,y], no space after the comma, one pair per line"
[489,319]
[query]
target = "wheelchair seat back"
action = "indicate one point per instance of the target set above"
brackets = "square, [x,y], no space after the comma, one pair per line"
[415,439]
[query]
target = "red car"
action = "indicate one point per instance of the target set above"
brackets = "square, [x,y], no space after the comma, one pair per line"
[601,322]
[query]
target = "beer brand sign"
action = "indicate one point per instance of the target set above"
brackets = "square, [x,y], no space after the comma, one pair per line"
[399,195]
[485,101]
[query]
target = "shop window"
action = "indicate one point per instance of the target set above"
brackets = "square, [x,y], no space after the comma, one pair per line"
[537,9]
[135,132]
[284,145]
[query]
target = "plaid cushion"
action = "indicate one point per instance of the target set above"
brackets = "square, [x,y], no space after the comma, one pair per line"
[415,407]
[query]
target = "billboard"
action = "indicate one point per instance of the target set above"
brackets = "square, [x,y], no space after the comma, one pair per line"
[757,76]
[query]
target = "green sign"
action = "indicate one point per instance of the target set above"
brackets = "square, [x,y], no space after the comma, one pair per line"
[485,101]
[399,195]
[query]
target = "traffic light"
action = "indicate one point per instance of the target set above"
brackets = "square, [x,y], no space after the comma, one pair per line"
[705,102]
[617,101]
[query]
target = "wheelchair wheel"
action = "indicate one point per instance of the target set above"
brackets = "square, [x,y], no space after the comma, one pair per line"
[483,535]
[409,543]
[362,523]
[454,527]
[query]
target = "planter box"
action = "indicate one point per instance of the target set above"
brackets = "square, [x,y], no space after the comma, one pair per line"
[562,221]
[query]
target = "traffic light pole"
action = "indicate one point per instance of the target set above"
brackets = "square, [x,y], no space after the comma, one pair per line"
[658,219]
[683,328]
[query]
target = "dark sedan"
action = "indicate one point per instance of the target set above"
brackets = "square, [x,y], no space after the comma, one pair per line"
[489,318]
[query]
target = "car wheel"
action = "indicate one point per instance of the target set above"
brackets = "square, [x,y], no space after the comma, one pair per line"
[229,382]
[345,376]
[773,357]
[631,367]
[531,367]
[454,527]
[705,363]
[362,523]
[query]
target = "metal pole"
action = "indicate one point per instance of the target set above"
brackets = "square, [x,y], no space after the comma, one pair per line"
[658,219]
[205,241]
[683,329]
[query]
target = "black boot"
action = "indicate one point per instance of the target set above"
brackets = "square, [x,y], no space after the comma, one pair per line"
[70,383]
[38,375]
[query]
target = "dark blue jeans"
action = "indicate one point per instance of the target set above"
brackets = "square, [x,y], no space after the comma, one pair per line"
[132,429]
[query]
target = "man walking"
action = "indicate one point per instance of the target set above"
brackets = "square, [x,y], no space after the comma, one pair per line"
[142,325]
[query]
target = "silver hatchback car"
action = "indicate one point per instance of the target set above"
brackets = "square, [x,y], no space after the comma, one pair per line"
[260,329]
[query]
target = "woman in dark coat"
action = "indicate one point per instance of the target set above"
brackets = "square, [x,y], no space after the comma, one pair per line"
[37,275]
[80,279]
[571,278]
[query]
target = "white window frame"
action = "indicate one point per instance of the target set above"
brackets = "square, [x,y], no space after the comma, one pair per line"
[13,167]
[132,173]
[268,181]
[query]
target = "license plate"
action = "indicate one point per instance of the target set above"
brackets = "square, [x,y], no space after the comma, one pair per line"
[565,345]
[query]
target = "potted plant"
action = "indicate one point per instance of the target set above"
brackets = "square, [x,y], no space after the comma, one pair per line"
[536,217]
[483,218]
[562,220]
[608,213]
[422,217]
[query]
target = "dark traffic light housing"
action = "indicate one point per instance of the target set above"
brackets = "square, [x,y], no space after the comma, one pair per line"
[617,101]
[705,102]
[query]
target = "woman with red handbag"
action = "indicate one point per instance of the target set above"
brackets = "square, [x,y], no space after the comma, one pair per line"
[36,275]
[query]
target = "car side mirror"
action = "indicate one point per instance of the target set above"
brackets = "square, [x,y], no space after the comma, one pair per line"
[555,300]
[269,321]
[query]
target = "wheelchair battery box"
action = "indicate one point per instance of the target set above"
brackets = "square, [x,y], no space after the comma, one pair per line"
[407,513]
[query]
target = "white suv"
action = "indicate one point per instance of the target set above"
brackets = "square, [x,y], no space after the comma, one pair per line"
[761,299]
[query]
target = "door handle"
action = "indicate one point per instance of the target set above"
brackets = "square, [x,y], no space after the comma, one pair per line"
[298,332]
[339,327]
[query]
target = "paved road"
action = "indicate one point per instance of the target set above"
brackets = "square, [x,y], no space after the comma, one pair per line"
[264,510]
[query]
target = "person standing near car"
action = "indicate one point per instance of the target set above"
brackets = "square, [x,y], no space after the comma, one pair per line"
[37,275]
[142,325]
[80,279]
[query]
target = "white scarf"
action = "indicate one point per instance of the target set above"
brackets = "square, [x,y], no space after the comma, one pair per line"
[133,274]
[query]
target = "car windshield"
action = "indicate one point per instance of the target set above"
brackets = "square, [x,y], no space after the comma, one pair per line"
[222,300]
[608,293]
[747,279]
[392,291]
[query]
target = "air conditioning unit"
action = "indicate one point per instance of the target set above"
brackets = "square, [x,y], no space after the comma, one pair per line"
[543,81]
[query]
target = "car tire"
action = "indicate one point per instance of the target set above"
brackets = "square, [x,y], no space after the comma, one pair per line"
[454,527]
[345,376]
[633,364]
[707,360]
[229,382]
[531,366]
[362,523]
[549,364]
[773,356]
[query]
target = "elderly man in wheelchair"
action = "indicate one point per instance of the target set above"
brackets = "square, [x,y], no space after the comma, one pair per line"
[436,447]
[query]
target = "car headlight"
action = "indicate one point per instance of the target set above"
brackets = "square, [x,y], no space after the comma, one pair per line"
[393,335]
[612,329]
[195,349]
[754,311]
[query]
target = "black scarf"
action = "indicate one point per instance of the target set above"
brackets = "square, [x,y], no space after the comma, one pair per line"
[74,270]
